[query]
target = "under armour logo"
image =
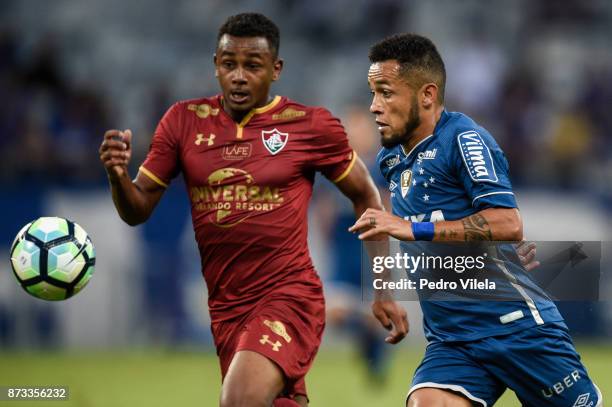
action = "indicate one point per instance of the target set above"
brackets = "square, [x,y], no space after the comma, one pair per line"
[200,139]
[266,339]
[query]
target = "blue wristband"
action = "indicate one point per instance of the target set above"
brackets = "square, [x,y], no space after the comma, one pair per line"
[423,230]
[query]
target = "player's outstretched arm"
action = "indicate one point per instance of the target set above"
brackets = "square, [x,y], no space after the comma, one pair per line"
[134,200]
[359,187]
[492,224]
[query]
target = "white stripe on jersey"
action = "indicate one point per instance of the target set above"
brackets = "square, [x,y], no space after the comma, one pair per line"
[491,193]
[512,279]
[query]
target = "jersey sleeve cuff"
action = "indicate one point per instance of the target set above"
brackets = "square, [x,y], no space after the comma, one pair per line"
[153,176]
[493,199]
[348,169]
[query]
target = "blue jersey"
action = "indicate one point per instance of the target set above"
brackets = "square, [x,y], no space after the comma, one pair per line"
[457,171]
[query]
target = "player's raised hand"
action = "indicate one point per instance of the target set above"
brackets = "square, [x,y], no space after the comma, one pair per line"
[393,318]
[375,222]
[526,252]
[115,152]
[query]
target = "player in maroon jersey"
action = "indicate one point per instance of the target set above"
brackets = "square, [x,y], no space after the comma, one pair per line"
[249,162]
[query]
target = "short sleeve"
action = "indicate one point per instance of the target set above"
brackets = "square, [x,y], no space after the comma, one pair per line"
[162,161]
[483,170]
[331,153]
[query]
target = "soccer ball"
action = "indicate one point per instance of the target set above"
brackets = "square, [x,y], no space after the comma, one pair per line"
[52,258]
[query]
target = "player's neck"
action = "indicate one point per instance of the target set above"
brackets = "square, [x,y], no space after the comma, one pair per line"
[236,115]
[425,129]
[239,115]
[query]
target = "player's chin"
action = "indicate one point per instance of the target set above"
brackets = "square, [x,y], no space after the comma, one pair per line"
[241,106]
[387,139]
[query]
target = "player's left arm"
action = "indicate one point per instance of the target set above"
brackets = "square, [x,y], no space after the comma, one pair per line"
[491,224]
[331,154]
[359,187]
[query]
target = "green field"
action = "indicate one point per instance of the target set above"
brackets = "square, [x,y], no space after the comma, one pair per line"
[158,378]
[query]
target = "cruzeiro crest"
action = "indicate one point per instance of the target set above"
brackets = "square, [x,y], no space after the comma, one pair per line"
[405,182]
[274,140]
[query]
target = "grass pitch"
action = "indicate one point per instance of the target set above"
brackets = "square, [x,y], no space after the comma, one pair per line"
[160,378]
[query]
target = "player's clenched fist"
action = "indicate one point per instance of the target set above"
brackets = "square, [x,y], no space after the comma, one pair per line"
[116,151]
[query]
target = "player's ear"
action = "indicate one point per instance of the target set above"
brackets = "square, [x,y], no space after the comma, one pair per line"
[215,63]
[429,93]
[277,68]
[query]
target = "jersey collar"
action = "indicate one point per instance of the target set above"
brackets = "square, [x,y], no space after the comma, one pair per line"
[245,120]
[441,122]
[416,145]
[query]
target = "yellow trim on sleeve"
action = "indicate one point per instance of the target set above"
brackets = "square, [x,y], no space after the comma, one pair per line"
[240,126]
[348,169]
[153,176]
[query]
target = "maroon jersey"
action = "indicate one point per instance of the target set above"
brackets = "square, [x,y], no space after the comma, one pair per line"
[249,184]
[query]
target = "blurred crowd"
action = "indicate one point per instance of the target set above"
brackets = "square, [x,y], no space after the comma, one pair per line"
[537,74]
[48,126]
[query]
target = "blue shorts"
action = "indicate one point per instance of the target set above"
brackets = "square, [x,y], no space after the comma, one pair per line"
[539,364]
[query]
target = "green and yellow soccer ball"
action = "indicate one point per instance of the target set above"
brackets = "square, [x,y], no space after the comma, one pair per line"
[53,258]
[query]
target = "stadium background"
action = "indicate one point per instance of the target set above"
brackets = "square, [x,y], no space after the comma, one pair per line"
[537,74]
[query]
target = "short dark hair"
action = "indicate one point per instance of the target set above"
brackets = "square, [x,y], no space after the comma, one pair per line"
[252,25]
[416,55]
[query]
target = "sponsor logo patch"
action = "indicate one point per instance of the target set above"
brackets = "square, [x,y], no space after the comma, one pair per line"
[237,151]
[203,111]
[477,157]
[427,155]
[278,328]
[562,385]
[232,195]
[274,140]
[392,185]
[288,114]
[392,162]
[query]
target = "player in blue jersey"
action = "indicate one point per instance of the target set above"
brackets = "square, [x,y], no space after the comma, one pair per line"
[449,182]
